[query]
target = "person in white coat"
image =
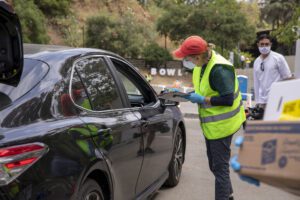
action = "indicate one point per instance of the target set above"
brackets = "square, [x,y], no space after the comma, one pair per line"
[268,68]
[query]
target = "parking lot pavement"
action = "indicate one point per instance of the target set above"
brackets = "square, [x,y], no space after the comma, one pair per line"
[197,182]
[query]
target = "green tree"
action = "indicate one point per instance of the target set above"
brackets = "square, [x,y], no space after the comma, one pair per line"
[124,36]
[33,22]
[226,24]
[172,23]
[279,12]
[282,15]
[70,30]
[285,34]
[251,12]
[220,22]
[100,32]
[155,55]
[54,7]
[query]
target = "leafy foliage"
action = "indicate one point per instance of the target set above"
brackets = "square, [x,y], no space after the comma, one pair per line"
[251,12]
[226,23]
[70,30]
[284,32]
[173,22]
[54,7]
[279,12]
[32,20]
[155,55]
[220,22]
[124,36]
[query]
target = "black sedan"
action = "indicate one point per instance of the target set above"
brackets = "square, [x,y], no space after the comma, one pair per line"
[81,124]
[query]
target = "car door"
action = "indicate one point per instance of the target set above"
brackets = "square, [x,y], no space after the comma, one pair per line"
[11,46]
[116,131]
[156,122]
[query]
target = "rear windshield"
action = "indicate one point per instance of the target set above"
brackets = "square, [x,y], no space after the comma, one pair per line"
[33,72]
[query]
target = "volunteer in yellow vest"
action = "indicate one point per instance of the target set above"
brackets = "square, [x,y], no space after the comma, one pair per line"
[220,106]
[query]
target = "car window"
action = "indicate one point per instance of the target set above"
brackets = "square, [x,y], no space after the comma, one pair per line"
[138,91]
[78,95]
[78,92]
[99,83]
[33,73]
[130,88]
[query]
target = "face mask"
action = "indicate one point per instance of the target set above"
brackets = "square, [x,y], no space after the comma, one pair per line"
[264,50]
[188,64]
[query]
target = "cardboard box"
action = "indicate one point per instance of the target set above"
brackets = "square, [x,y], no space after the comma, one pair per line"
[271,154]
[281,94]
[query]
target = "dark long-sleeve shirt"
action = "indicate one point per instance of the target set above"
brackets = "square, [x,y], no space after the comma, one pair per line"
[222,80]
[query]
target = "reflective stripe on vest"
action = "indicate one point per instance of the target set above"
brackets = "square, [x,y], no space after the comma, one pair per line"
[223,116]
[217,121]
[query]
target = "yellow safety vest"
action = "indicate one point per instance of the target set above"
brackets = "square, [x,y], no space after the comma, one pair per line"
[217,121]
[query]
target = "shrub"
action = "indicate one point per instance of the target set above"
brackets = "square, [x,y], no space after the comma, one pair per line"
[54,7]
[124,36]
[70,30]
[32,22]
[155,55]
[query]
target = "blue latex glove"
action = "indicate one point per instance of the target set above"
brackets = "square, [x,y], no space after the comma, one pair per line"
[195,98]
[239,141]
[236,166]
[250,180]
[173,90]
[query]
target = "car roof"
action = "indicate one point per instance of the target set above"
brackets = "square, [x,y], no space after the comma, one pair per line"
[36,48]
[56,53]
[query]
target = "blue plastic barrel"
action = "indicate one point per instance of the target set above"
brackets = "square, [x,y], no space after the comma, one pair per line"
[243,83]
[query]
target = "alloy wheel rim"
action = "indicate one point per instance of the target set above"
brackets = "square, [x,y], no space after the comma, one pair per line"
[178,158]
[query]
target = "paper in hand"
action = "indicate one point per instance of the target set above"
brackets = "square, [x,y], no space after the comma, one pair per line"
[174,96]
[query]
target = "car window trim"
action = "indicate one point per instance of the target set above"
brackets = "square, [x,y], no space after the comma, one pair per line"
[136,71]
[71,80]
[85,89]
[118,82]
[155,105]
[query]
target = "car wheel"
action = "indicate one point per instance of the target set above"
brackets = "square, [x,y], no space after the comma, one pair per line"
[90,190]
[176,162]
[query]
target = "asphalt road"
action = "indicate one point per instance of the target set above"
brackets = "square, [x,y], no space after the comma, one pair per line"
[197,182]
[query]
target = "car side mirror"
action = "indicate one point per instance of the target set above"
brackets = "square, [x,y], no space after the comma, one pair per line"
[166,103]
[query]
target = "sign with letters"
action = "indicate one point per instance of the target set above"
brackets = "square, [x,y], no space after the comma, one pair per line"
[166,71]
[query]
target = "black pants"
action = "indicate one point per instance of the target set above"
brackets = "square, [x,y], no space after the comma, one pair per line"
[218,153]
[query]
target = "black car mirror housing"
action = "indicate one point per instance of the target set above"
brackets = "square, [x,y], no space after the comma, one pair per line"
[166,103]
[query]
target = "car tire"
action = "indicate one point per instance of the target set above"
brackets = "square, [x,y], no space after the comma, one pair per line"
[90,190]
[176,163]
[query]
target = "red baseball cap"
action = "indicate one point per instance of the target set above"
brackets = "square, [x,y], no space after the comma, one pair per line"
[192,45]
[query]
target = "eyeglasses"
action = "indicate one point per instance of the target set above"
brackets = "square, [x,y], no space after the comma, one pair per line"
[264,44]
[262,67]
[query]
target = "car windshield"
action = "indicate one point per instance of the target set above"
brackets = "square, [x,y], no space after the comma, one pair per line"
[33,72]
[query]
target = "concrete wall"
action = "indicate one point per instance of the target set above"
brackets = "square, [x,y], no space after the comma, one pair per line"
[291,62]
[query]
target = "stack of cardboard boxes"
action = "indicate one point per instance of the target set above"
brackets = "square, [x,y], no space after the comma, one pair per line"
[270,152]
